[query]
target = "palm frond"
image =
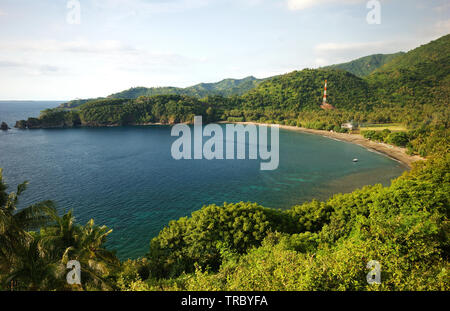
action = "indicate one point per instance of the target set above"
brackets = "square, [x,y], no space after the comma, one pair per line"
[36,215]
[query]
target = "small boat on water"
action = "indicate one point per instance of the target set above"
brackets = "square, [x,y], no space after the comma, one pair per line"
[355,160]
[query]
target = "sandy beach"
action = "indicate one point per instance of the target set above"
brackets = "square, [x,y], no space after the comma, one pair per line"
[394,152]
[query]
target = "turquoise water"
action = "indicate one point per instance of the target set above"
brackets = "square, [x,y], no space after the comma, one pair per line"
[125,177]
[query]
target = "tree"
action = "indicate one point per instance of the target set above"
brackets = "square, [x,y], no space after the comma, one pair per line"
[14,225]
[65,240]
[399,139]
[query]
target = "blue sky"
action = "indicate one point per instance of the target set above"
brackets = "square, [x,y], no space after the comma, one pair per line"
[125,43]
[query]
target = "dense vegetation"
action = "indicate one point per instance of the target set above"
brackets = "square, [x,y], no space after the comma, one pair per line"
[226,87]
[314,246]
[165,109]
[421,76]
[364,66]
[244,246]
[404,226]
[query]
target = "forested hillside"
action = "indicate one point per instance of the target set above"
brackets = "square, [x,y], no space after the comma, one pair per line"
[418,77]
[414,78]
[227,87]
[364,66]
[303,90]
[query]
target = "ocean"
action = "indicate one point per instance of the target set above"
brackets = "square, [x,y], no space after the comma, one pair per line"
[125,177]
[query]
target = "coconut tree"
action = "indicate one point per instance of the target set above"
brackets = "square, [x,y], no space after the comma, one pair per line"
[35,271]
[37,259]
[15,225]
[65,240]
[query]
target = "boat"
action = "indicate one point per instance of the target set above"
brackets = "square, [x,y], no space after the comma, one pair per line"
[355,160]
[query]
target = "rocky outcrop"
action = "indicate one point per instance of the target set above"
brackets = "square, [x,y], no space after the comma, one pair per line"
[37,123]
[4,126]
[22,124]
[31,123]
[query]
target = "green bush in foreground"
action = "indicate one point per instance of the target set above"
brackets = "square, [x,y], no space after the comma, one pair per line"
[405,227]
[194,240]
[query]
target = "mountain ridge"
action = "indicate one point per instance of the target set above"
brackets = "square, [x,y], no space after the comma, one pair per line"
[417,77]
[364,66]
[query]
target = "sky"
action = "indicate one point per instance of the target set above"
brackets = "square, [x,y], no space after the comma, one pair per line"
[48,53]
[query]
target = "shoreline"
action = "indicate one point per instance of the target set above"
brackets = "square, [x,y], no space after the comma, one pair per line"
[396,153]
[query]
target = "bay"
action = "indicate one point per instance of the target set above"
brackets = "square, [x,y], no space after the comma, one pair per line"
[125,177]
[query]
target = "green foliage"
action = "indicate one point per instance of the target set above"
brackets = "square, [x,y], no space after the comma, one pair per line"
[244,246]
[364,66]
[194,240]
[417,77]
[303,90]
[400,139]
[15,239]
[428,140]
[405,227]
[132,275]
[36,260]
[227,87]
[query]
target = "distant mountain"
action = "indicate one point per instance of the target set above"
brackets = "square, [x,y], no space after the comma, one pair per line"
[227,87]
[76,102]
[364,66]
[417,77]
[421,76]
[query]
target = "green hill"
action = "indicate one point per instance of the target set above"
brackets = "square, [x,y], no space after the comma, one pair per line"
[408,89]
[303,90]
[408,79]
[417,77]
[364,66]
[227,87]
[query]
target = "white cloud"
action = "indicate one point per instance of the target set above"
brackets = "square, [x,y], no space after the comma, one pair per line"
[345,47]
[444,8]
[321,61]
[441,28]
[295,5]
[30,67]
[329,53]
[432,31]
[334,53]
[156,6]
[75,46]
[82,57]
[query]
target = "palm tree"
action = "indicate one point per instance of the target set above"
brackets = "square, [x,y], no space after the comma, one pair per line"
[97,262]
[15,237]
[35,271]
[37,259]
[66,241]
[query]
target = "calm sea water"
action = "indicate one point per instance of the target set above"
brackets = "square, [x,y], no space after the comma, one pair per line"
[126,178]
